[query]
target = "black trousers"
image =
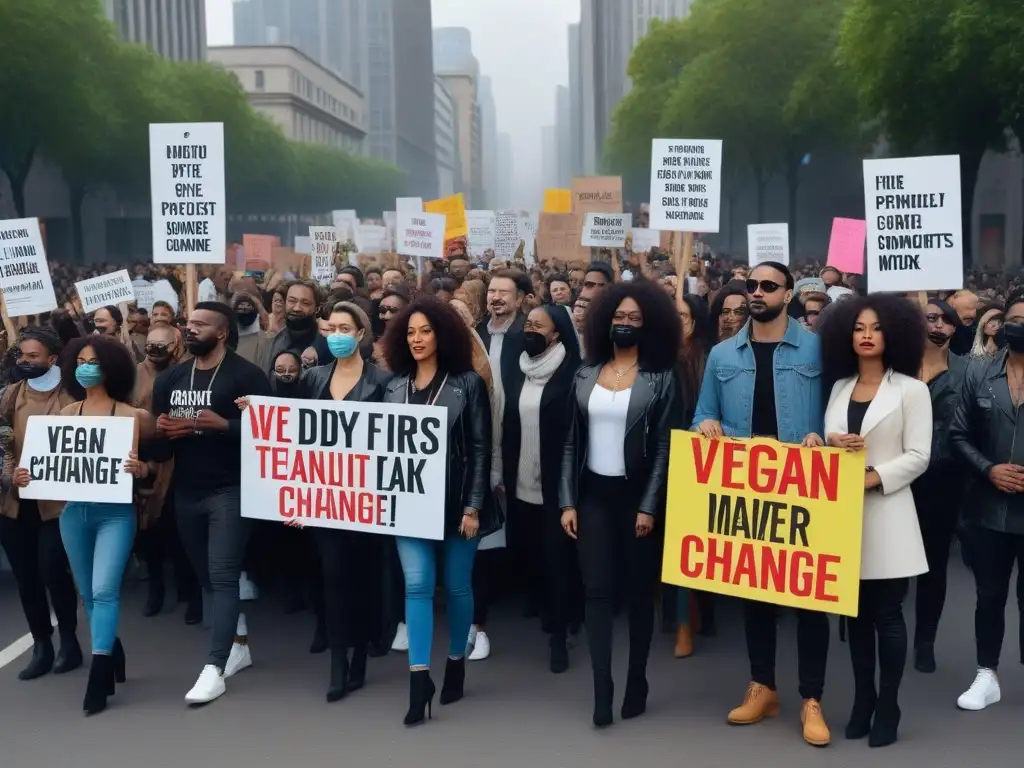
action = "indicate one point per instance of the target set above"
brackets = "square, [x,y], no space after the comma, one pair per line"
[611,556]
[160,543]
[352,566]
[812,636]
[39,563]
[992,555]
[879,633]
[938,507]
[214,534]
[490,568]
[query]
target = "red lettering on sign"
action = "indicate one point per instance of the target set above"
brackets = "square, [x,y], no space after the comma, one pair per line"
[731,462]
[767,473]
[825,577]
[686,567]
[702,465]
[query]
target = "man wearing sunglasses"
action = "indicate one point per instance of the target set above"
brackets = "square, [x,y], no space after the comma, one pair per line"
[598,276]
[766,382]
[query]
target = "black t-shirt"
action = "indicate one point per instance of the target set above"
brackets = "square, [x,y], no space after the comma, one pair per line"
[764,423]
[855,416]
[213,459]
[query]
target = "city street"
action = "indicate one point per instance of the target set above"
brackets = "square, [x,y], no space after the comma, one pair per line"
[515,712]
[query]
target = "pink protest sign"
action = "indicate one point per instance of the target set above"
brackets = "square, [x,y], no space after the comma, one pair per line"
[846,246]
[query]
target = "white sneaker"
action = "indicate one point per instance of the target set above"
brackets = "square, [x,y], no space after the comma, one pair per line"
[208,687]
[247,589]
[240,658]
[401,641]
[481,648]
[983,692]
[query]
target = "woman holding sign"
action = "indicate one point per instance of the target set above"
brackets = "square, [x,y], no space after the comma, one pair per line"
[623,404]
[872,347]
[428,347]
[98,537]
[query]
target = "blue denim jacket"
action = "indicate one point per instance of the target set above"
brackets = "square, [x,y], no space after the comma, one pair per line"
[727,392]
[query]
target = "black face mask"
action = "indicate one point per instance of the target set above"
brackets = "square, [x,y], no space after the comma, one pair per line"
[535,344]
[938,338]
[299,323]
[245,319]
[1012,336]
[625,336]
[32,370]
[198,347]
[160,358]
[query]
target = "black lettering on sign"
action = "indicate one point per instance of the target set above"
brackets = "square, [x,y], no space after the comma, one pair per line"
[70,439]
[403,476]
[75,468]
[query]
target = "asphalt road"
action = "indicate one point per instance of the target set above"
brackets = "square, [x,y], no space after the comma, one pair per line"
[515,714]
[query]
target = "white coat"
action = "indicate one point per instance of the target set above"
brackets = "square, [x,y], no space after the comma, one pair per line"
[897,430]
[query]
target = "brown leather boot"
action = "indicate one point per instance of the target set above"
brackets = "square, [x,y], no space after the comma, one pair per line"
[760,702]
[684,641]
[816,732]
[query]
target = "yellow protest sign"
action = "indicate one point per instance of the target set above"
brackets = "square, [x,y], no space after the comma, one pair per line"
[454,209]
[765,520]
[557,201]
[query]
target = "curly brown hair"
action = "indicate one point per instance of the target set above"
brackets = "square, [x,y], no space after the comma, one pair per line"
[454,344]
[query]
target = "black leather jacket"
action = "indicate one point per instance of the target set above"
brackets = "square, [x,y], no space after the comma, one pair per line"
[654,405]
[945,391]
[984,433]
[314,383]
[469,447]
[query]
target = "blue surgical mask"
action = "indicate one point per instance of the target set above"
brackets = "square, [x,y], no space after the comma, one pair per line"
[342,345]
[89,375]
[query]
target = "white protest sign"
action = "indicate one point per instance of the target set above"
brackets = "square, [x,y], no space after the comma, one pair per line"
[24,273]
[370,238]
[481,232]
[346,223]
[409,205]
[506,234]
[645,239]
[105,290]
[186,170]
[915,236]
[164,291]
[78,458]
[303,244]
[768,242]
[372,467]
[421,235]
[143,294]
[390,224]
[528,234]
[321,253]
[686,184]
[605,230]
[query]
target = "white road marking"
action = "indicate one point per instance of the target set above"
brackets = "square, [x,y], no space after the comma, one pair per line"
[19,646]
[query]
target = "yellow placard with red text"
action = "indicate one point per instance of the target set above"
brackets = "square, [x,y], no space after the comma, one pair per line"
[765,520]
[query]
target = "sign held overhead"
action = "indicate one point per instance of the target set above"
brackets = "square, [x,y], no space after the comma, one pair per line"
[24,273]
[606,230]
[105,290]
[686,184]
[768,242]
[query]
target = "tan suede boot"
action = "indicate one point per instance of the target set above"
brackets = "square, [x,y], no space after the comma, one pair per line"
[684,641]
[816,731]
[760,702]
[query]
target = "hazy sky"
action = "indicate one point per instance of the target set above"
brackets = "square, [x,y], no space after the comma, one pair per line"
[521,44]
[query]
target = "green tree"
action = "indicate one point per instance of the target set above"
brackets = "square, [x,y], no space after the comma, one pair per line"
[923,71]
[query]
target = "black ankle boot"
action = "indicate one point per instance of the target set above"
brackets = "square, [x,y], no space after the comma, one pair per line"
[886,723]
[339,675]
[604,691]
[864,700]
[154,598]
[634,703]
[319,644]
[559,655]
[454,681]
[101,680]
[924,658]
[120,674]
[42,660]
[357,670]
[421,696]
[70,655]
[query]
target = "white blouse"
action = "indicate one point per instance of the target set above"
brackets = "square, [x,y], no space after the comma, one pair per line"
[607,438]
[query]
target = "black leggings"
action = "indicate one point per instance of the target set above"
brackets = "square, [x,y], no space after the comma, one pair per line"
[992,555]
[352,570]
[879,617]
[611,556]
[938,507]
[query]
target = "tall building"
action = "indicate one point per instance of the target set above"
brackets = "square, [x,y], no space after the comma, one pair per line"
[330,32]
[446,139]
[563,126]
[549,157]
[506,172]
[489,142]
[458,69]
[575,103]
[401,91]
[310,102]
[175,30]
[609,31]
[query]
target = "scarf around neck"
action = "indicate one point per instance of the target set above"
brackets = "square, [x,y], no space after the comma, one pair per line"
[540,369]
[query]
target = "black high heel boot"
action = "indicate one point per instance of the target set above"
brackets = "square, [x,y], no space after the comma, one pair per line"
[604,691]
[421,696]
[338,686]
[97,689]
[864,700]
[634,703]
[454,681]
[886,724]
[41,662]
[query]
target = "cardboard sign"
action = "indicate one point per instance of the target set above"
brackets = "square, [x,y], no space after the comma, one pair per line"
[105,290]
[421,235]
[914,231]
[597,194]
[506,234]
[346,223]
[558,237]
[765,520]
[24,274]
[686,184]
[323,241]
[454,209]
[557,201]
[285,259]
[768,242]
[606,230]
[186,170]
[258,251]
[481,232]
[78,458]
[371,467]
[409,205]
[645,239]
[846,245]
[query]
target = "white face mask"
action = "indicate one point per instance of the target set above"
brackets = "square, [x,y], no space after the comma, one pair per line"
[48,382]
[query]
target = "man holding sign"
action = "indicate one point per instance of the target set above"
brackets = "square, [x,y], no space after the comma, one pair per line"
[766,382]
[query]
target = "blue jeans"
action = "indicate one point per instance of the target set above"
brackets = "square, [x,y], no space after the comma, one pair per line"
[98,539]
[419,563]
